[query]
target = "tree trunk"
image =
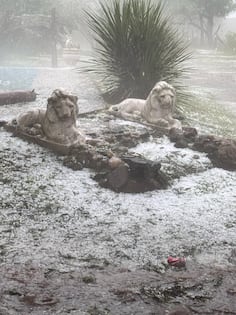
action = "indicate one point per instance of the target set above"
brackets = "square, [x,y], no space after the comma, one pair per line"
[210,25]
[53,39]
[202,31]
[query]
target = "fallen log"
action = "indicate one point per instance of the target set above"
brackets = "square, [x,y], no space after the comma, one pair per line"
[20,96]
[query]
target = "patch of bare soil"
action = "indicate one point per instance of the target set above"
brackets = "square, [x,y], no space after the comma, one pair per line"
[28,289]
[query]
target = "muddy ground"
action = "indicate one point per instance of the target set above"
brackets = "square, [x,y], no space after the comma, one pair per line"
[98,290]
[69,247]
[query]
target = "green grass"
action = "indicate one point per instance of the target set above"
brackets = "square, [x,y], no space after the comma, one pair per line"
[204,113]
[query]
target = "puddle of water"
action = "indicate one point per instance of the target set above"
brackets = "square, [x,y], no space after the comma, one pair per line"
[19,78]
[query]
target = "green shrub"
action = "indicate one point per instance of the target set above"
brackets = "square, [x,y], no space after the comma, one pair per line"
[230,43]
[134,48]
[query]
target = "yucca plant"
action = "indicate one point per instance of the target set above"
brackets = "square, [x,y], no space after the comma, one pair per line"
[135,48]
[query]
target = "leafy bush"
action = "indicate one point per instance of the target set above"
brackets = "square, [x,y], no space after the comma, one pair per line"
[230,43]
[135,48]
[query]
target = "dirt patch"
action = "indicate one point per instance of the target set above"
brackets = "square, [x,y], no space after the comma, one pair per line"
[31,289]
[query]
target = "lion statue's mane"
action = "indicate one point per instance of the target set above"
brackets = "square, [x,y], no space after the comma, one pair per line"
[157,109]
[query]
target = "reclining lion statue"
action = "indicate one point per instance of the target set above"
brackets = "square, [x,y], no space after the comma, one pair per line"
[157,109]
[58,122]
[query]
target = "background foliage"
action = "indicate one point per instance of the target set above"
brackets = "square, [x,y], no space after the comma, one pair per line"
[201,15]
[26,25]
[230,43]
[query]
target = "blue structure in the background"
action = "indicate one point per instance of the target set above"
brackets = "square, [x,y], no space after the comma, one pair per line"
[17,78]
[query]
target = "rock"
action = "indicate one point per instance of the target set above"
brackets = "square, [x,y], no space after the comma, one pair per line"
[182,137]
[180,310]
[118,177]
[114,162]
[207,143]
[134,175]
[226,155]
[181,143]
[87,156]
[73,163]
[141,167]
[3,123]
[190,133]
[90,278]
[221,151]
[175,134]
[119,148]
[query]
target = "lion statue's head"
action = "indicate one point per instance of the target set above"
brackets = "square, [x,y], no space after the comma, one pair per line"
[161,97]
[160,105]
[59,123]
[62,106]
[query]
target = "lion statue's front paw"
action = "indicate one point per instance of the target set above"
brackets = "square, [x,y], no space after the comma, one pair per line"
[162,123]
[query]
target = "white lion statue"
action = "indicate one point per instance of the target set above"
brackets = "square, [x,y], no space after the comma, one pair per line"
[157,109]
[58,122]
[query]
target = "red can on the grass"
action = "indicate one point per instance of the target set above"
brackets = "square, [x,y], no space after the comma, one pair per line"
[178,262]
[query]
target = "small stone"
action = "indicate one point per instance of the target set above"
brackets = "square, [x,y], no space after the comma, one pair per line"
[180,310]
[175,134]
[114,162]
[89,279]
[181,143]
[190,133]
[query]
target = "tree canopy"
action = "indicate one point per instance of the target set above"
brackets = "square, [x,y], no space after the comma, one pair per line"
[18,7]
[26,25]
[201,14]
